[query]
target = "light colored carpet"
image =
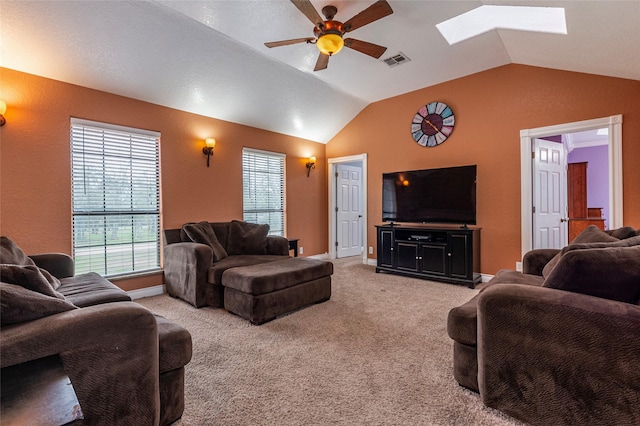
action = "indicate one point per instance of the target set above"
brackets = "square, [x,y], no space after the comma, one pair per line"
[377,353]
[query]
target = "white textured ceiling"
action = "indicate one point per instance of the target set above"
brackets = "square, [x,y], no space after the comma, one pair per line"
[209,58]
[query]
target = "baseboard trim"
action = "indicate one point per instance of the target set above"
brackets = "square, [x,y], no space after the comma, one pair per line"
[146,292]
[486,277]
[322,256]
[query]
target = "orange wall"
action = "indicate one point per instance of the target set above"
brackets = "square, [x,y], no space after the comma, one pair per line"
[35,185]
[491,108]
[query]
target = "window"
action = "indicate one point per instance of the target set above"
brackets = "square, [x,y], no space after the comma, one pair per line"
[115,192]
[263,188]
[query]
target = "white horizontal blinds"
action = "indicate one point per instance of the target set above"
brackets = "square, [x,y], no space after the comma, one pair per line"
[263,188]
[115,193]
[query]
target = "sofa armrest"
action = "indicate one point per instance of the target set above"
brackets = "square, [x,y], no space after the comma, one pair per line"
[186,267]
[110,353]
[277,245]
[534,261]
[548,356]
[59,265]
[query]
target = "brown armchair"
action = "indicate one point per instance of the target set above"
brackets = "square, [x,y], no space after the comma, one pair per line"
[559,343]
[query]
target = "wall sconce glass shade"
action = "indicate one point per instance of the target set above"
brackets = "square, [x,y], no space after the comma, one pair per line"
[330,44]
[3,109]
[311,164]
[210,143]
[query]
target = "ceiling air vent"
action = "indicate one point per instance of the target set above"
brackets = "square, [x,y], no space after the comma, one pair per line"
[396,60]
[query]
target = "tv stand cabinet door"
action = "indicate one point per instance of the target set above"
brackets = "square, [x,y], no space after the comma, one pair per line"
[386,248]
[434,259]
[408,259]
[460,249]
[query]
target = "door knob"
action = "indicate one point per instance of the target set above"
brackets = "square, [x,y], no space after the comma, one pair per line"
[564,219]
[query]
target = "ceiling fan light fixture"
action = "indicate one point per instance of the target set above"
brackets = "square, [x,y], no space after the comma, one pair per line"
[330,43]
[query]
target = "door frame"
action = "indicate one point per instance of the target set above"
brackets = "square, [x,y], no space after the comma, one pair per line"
[362,158]
[614,124]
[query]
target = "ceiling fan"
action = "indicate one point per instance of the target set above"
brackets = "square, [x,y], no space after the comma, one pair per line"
[329,33]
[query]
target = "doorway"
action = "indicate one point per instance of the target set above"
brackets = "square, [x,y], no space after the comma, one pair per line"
[613,124]
[348,206]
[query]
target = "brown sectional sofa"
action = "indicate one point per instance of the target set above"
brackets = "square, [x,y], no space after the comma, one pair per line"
[125,363]
[558,343]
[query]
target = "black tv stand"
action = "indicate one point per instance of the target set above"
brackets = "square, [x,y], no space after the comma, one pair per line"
[441,253]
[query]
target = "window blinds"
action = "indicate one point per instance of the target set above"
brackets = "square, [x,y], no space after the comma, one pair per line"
[263,189]
[115,190]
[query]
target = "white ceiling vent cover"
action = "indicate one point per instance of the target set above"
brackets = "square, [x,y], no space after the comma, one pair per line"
[398,59]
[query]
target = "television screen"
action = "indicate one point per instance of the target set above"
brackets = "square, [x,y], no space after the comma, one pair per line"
[444,195]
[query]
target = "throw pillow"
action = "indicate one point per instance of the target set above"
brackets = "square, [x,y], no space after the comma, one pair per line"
[202,233]
[622,233]
[590,234]
[32,278]
[247,238]
[19,304]
[627,242]
[11,253]
[611,273]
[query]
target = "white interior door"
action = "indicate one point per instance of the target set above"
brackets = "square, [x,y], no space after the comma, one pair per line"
[549,194]
[349,210]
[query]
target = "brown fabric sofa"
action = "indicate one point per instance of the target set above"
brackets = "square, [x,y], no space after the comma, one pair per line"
[560,342]
[196,255]
[125,363]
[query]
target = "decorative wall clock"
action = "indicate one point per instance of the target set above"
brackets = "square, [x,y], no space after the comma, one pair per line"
[432,124]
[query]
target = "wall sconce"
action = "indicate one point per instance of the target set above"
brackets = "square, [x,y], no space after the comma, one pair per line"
[3,109]
[210,143]
[311,164]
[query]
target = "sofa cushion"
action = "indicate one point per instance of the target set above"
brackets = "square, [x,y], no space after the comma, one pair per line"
[19,304]
[247,238]
[202,233]
[509,276]
[590,234]
[214,275]
[273,276]
[91,289]
[32,278]
[611,273]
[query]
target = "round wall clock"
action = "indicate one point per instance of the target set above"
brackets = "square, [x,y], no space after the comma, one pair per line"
[432,124]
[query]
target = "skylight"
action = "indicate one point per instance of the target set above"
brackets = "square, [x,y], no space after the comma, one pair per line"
[490,17]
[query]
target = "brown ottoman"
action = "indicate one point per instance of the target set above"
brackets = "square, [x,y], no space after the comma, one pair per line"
[261,292]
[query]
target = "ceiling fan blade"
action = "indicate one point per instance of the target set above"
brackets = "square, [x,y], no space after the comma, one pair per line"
[378,10]
[323,61]
[309,11]
[287,42]
[365,47]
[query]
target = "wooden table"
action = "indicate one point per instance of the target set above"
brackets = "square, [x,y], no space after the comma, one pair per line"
[38,392]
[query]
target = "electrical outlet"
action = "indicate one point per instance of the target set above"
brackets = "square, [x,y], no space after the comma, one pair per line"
[370,250]
[301,250]
[519,266]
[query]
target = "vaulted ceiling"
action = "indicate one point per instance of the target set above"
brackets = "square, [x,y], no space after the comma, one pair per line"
[209,57]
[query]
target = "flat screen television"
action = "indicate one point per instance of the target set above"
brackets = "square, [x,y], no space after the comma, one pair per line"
[445,195]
